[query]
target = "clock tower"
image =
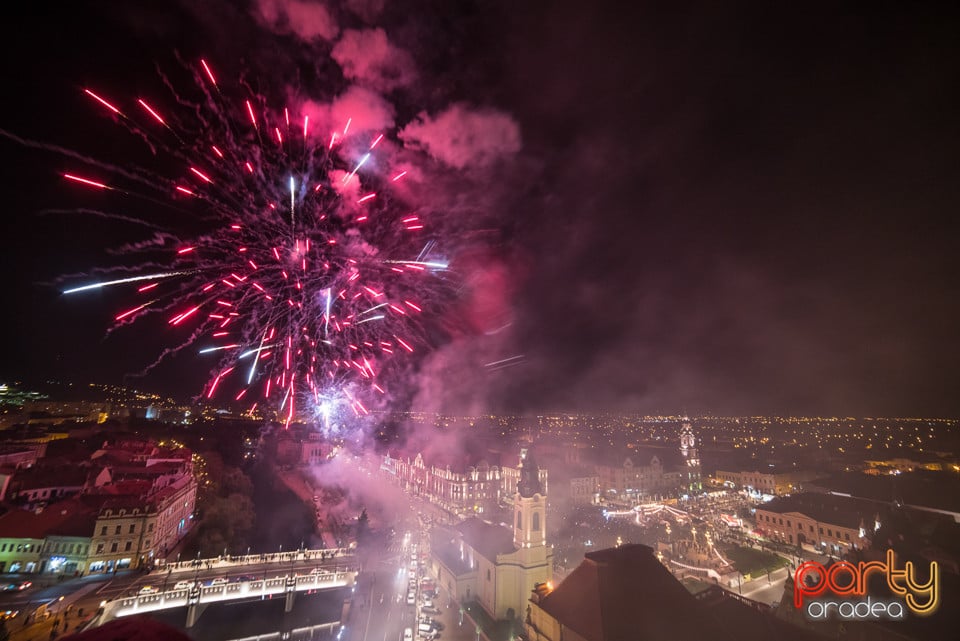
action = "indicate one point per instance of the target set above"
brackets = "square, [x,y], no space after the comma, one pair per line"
[529,506]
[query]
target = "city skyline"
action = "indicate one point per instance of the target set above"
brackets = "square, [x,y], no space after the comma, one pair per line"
[702,212]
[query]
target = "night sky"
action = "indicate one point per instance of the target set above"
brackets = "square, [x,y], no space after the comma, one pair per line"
[725,208]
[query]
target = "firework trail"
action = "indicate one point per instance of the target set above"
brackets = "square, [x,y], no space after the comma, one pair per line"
[311,276]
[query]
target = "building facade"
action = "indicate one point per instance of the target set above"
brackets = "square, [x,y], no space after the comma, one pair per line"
[584,489]
[829,524]
[131,532]
[772,483]
[473,489]
[20,554]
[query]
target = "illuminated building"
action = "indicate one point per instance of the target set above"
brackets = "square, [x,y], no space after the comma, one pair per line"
[460,485]
[497,565]
[829,523]
[772,483]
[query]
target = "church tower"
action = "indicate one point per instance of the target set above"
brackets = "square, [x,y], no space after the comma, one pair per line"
[529,506]
[688,449]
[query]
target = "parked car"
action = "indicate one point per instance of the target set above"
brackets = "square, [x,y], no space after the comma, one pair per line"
[408,634]
[147,589]
[430,610]
[183,585]
[217,581]
[433,623]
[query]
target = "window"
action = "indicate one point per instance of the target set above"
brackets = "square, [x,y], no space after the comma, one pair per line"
[811,528]
[126,548]
[133,529]
[536,521]
[821,530]
[150,528]
[846,536]
[488,574]
[3,547]
[781,521]
[100,548]
[113,547]
[103,531]
[829,532]
[788,523]
[117,530]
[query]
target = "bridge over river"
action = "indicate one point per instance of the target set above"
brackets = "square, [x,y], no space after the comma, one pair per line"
[306,571]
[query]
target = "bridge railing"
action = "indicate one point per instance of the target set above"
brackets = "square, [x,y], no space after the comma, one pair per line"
[230,561]
[225,592]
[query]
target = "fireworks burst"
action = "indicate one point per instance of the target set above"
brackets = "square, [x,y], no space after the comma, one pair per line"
[311,276]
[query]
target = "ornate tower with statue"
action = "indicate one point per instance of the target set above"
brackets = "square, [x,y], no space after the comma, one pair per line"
[688,449]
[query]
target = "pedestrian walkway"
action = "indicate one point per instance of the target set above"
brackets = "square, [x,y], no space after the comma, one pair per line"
[230,561]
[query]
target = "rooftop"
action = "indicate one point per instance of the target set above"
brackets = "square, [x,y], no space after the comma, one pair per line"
[923,488]
[487,539]
[827,508]
[625,594]
[66,518]
[45,476]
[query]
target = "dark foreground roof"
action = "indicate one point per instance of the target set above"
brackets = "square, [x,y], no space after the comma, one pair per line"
[625,594]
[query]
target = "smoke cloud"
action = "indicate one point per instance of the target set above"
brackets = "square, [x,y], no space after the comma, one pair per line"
[461,137]
[308,20]
[368,58]
[367,10]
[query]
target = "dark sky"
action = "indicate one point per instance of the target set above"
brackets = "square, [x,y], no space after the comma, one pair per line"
[737,208]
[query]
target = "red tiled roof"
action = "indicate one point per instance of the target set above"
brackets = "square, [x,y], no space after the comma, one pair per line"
[38,477]
[66,518]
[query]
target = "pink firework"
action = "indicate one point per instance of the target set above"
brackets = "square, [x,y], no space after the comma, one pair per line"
[311,275]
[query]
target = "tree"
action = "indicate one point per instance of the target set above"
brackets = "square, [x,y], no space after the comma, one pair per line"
[227,524]
[363,528]
[234,481]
